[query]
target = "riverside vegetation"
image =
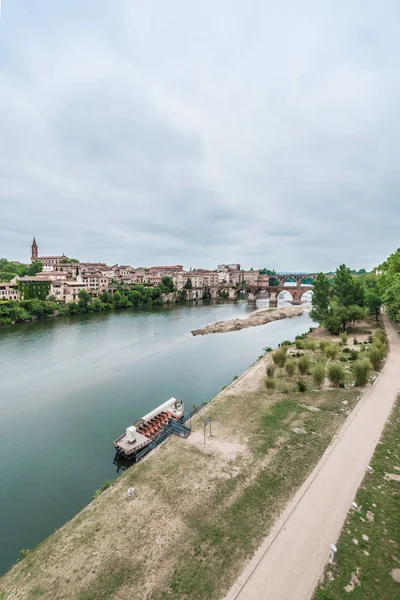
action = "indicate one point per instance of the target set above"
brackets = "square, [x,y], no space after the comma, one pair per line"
[200,511]
[34,304]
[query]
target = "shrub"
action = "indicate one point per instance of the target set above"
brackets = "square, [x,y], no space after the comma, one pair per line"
[380,334]
[343,359]
[290,367]
[344,337]
[286,343]
[267,349]
[331,351]
[318,375]
[279,357]
[355,341]
[353,355]
[346,350]
[270,371]
[311,345]
[304,365]
[269,383]
[101,489]
[300,344]
[336,374]
[301,386]
[362,370]
[280,373]
[24,552]
[323,344]
[376,355]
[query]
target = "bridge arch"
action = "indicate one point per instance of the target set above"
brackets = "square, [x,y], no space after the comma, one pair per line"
[289,279]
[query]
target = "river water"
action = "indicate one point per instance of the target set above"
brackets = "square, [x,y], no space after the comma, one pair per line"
[70,386]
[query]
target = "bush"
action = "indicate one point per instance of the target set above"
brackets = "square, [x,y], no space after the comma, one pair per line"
[323,344]
[267,349]
[280,373]
[333,324]
[270,371]
[336,374]
[343,359]
[353,354]
[362,370]
[304,365]
[355,341]
[269,383]
[101,489]
[346,350]
[301,386]
[376,356]
[311,345]
[290,367]
[300,344]
[319,375]
[331,351]
[279,357]
[286,343]
[343,338]
[380,334]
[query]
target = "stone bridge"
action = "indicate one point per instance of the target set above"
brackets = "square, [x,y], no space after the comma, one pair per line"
[267,286]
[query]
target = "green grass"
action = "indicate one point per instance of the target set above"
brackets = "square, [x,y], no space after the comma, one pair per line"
[109,581]
[382,498]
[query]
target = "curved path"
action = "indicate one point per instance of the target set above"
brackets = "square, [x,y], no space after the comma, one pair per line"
[290,561]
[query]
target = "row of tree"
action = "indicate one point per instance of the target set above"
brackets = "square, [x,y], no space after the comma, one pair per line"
[134,296]
[8,269]
[348,298]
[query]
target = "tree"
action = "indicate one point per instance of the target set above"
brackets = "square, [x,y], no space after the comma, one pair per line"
[167,282]
[346,288]
[84,300]
[35,267]
[389,285]
[188,284]
[120,300]
[322,293]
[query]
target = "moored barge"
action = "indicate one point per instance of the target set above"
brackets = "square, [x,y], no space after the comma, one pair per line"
[147,432]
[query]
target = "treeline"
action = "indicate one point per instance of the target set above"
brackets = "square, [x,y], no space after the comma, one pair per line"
[345,300]
[8,269]
[134,296]
[389,285]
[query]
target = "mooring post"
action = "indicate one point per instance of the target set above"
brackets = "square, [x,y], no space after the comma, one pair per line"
[333,553]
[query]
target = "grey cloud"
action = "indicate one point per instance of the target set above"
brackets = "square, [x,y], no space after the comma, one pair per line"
[255,132]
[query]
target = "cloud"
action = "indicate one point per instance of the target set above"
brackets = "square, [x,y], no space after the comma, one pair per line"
[227,131]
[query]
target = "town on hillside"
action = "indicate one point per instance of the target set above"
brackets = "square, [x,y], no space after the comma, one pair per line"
[66,277]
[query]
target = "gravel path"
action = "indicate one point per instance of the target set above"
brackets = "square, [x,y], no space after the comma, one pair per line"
[290,561]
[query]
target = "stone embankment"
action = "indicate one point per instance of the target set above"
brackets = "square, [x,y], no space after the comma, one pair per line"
[258,317]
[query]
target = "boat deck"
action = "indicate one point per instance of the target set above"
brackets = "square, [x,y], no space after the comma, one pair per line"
[128,447]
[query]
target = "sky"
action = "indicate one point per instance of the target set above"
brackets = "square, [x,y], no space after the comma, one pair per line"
[197,133]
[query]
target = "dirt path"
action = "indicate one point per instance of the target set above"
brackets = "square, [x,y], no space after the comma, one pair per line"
[290,561]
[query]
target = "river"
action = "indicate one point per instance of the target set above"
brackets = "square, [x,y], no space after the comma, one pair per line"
[70,386]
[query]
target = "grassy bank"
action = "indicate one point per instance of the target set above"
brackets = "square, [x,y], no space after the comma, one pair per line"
[200,511]
[368,557]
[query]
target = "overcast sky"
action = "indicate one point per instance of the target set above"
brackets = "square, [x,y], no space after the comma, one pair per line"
[252,131]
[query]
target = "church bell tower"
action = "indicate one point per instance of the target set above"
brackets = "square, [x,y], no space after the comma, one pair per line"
[35,251]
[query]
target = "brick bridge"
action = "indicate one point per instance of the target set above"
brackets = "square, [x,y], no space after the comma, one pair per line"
[267,286]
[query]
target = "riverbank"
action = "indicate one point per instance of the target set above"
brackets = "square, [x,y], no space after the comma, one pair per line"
[254,319]
[200,510]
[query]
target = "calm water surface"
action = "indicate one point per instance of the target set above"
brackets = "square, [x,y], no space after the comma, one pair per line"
[69,387]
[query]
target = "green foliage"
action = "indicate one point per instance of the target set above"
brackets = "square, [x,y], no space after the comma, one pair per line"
[34,289]
[333,324]
[290,367]
[322,292]
[300,344]
[101,489]
[388,285]
[323,344]
[270,371]
[376,355]
[319,374]
[68,261]
[168,283]
[304,365]
[336,374]
[24,552]
[188,285]
[279,357]
[331,351]
[362,370]
[8,269]
[269,383]
[347,289]
[301,386]
[344,338]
